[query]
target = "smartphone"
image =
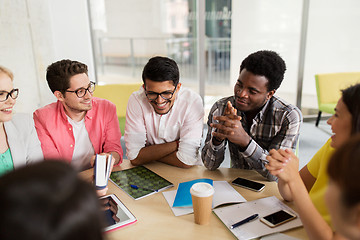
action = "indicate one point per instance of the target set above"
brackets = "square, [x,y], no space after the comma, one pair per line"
[248,184]
[277,218]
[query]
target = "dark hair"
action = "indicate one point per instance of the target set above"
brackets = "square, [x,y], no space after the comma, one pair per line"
[59,73]
[160,69]
[268,64]
[48,201]
[344,168]
[351,98]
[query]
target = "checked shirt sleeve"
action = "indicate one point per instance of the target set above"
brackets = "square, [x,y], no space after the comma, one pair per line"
[212,156]
[286,137]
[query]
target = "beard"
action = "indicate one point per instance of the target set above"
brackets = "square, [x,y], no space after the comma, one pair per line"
[78,108]
[162,111]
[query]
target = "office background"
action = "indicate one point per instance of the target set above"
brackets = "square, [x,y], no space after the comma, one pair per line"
[115,38]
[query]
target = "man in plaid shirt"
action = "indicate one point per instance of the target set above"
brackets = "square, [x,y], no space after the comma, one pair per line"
[253,121]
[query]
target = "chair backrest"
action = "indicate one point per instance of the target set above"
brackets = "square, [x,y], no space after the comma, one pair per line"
[328,85]
[118,94]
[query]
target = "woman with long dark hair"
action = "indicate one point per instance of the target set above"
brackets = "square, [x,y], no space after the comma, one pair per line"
[307,187]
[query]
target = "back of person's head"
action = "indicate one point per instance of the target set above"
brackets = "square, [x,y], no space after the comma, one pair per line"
[161,69]
[48,201]
[59,73]
[268,64]
[343,170]
[351,98]
[7,72]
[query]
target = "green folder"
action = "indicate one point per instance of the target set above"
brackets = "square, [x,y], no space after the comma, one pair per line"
[139,182]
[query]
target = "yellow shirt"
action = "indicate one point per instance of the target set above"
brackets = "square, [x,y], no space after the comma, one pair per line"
[318,169]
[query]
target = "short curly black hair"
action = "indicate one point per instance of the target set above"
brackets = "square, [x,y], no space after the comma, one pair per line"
[268,64]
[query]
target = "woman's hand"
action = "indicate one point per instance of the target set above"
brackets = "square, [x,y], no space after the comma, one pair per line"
[283,164]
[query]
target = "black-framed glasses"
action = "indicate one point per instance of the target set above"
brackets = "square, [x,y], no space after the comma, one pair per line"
[82,91]
[4,95]
[152,96]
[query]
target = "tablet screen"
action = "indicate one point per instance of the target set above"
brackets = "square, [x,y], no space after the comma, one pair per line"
[115,213]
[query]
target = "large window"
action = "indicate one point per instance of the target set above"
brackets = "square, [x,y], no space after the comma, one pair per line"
[131,32]
[128,33]
[125,34]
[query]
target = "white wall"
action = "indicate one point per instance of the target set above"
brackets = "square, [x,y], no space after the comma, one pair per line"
[267,24]
[24,41]
[71,32]
[35,34]
[332,40]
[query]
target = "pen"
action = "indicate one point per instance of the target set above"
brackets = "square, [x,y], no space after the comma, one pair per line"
[246,220]
[137,187]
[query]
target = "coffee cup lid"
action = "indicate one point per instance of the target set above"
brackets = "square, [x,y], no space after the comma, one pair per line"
[202,189]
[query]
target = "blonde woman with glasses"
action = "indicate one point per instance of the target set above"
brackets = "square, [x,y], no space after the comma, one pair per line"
[19,143]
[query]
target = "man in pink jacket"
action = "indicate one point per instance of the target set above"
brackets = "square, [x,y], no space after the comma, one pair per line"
[78,125]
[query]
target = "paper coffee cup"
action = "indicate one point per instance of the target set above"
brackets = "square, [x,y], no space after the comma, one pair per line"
[202,195]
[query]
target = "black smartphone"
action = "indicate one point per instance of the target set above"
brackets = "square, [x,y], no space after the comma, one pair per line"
[277,218]
[248,184]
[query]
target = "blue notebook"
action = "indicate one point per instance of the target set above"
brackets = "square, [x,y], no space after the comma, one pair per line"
[183,196]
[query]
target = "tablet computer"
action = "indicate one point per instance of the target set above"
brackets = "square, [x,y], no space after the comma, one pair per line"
[115,213]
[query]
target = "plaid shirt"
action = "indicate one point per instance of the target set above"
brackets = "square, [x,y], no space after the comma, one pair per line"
[276,126]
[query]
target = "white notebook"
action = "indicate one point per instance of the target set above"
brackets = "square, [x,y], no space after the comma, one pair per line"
[224,194]
[254,229]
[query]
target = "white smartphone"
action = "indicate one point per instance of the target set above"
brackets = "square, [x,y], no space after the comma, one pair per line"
[277,218]
[248,184]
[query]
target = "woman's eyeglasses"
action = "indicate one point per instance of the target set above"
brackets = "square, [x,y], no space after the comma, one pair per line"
[4,95]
